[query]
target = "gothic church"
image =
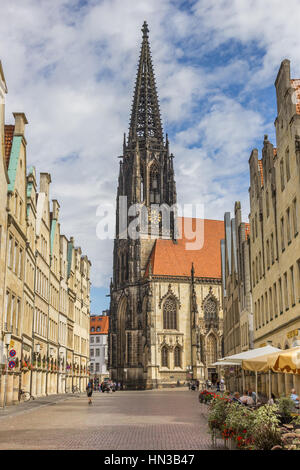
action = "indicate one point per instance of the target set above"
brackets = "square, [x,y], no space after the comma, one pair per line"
[166,314]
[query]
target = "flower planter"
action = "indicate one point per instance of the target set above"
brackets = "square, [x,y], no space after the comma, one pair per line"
[232,445]
[216,434]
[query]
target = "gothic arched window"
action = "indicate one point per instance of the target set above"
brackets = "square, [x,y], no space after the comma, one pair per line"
[210,310]
[211,350]
[164,356]
[177,357]
[170,314]
[154,184]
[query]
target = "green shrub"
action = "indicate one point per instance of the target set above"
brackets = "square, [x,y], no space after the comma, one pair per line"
[266,433]
[285,406]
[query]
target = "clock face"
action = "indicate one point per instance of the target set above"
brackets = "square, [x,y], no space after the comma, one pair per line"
[154,216]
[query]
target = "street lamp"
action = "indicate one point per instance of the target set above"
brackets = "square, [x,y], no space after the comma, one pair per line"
[7,340]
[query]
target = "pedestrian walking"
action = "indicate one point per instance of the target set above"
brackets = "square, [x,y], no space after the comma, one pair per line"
[89,392]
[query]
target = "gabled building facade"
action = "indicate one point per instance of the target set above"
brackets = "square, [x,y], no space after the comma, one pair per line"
[43,276]
[274,218]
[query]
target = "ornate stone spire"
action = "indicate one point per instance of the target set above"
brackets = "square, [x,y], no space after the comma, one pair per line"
[145,121]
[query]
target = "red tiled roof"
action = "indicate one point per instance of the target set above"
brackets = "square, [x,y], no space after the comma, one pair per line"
[274,152]
[260,167]
[295,83]
[174,259]
[8,138]
[99,321]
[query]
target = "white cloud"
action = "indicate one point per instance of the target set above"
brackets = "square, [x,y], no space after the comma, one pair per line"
[71,69]
[272,24]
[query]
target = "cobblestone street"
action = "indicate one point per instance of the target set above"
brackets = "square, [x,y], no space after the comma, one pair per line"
[159,420]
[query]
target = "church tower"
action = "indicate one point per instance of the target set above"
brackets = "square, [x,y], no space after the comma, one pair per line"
[146,186]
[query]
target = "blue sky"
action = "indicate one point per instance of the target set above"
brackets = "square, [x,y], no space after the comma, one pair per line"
[71,65]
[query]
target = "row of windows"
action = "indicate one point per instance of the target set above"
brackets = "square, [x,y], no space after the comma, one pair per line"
[63,300]
[285,175]
[98,368]
[285,225]
[290,228]
[62,334]
[15,257]
[55,264]
[290,221]
[97,339]
[232,316]
[29,274]
[12,315]
[97,329]
[42,283]
[28,316]
[77,315]
[44,248]
[245,334]
[94,352]
[53,330]
[83,346]
[40,323]
[76,343]
[278,298]
[54,297]
[232,340]
[165,357]
[18,208]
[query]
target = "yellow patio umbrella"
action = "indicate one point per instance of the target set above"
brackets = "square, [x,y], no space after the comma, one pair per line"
[288,361]
[261,363]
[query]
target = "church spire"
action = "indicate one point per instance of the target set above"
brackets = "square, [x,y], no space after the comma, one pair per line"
[145,121]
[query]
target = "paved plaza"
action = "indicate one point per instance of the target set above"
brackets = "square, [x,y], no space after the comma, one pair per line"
[154,420]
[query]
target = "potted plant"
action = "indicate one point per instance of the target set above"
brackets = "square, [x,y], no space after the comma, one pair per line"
[266,431]
[238,426]
[285,408]
[217,416]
